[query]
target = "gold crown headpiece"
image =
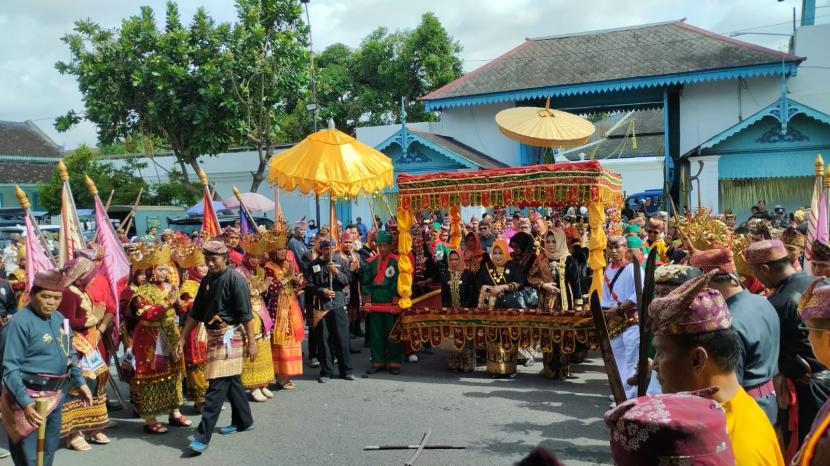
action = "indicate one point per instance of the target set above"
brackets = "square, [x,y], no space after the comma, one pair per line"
[255,245]
[144,257]
[705,233]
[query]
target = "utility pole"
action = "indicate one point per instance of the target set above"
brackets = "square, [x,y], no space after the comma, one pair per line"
[313,107]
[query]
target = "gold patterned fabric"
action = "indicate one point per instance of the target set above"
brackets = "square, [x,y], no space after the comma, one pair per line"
[197,384]
[260,371]
[223,361]
[77,416]
[525,328]
[501,361]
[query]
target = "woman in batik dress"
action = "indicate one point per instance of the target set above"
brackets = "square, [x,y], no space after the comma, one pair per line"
[82,423]
[289,330]
[496,281]
[159,364]
[459,291]
[257,374]
[555,276]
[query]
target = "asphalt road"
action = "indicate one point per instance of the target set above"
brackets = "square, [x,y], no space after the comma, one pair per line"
[498,421]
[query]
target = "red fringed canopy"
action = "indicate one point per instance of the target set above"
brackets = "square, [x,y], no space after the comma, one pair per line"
[554,185]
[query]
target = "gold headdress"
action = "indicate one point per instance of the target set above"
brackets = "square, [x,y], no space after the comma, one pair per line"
[705,233]
[184,253]
[144,257]
[255,245]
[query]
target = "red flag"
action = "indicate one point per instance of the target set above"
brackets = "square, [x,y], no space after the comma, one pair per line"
[37,258]
[210,223]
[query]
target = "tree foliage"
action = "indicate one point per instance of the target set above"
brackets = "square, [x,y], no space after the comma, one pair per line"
[83,161]
[364,86]
[165,83]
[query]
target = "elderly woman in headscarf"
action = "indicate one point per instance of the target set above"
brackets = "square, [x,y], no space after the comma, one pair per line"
[499,280]
[555,276]
[459,291]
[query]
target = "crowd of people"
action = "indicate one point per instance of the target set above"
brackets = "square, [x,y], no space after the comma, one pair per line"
[740,333]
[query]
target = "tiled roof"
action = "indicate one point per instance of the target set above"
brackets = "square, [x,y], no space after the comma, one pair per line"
[25,173]
[610,141]
[641,51]
[462,150]
[26,139]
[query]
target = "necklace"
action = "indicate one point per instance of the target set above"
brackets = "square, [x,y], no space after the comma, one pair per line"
[455,289]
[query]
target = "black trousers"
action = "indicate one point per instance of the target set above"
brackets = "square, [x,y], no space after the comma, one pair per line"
[308,308]
[333,336]
[218,391]
[25,452]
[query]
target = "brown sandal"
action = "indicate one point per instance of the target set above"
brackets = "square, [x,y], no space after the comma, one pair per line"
[180,421]
[155,428]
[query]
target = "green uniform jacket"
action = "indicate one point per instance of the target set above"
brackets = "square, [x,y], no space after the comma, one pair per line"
[388,288]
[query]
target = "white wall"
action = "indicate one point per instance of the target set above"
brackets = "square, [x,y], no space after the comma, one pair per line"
[709,183]
[810,86]
[709,108]
[638,174]
[476,127]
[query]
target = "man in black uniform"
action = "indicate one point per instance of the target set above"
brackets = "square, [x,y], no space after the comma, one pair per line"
[330,277]
[796,362]
[223,304]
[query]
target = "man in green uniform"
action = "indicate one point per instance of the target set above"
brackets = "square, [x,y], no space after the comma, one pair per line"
[380,285]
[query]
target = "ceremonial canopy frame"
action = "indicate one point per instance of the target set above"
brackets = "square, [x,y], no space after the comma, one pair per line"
[555,185]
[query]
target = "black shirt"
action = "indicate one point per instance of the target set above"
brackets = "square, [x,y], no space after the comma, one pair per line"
[321,279]
[793,341]
[224,294]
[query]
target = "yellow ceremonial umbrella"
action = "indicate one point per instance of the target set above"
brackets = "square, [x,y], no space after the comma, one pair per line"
[331,162]
[543,127]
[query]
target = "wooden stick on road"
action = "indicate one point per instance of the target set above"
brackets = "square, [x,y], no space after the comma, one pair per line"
[601,330]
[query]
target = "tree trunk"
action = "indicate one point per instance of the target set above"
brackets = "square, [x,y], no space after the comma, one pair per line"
[259,175]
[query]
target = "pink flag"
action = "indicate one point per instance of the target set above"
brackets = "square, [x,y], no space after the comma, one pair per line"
[116,265]
[37,259]
[822,233]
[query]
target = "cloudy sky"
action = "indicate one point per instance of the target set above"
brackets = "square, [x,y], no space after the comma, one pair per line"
[30,31]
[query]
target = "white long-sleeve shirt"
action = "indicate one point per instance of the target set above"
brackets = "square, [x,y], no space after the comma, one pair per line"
[623,287]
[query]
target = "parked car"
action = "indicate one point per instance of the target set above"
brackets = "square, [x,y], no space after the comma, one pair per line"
[648,201]
[188,225]
[6,232]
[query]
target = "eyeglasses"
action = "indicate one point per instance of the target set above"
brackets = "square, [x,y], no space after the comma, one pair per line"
[805,328]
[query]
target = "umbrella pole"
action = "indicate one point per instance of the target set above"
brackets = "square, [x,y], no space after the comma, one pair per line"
[333,217]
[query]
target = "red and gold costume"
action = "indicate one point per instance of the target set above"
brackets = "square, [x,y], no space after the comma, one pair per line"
[189,257]
[158,367]
[289,330]
[77,306]
[259,372]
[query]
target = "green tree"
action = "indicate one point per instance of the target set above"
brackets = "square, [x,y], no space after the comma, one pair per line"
[364,86]
[168,83]
[175,192]
[107,178]
[268,68]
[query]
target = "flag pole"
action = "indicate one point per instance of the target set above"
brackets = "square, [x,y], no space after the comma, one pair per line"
[244,209]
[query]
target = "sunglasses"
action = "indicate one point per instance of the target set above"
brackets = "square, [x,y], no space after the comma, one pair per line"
[805,328]
[482,228]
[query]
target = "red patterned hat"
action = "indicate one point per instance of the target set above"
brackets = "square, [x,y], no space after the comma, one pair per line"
[52,280]
[821,252]
[761,252]
[721,260]
[815,301]
[678,428]
[689,309]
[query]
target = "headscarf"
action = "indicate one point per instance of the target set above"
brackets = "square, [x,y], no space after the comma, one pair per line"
[461,264]
[502,245]
[524,241]
[561,251]
[474,253]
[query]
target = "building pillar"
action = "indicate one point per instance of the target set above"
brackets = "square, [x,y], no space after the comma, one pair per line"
[708,182]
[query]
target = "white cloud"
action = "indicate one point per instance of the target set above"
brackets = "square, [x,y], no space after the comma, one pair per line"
[31,88]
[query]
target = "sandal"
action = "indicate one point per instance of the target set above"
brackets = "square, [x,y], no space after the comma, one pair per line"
[155,428]
[98,438]
[78,443]
[288,386]
[180,421]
